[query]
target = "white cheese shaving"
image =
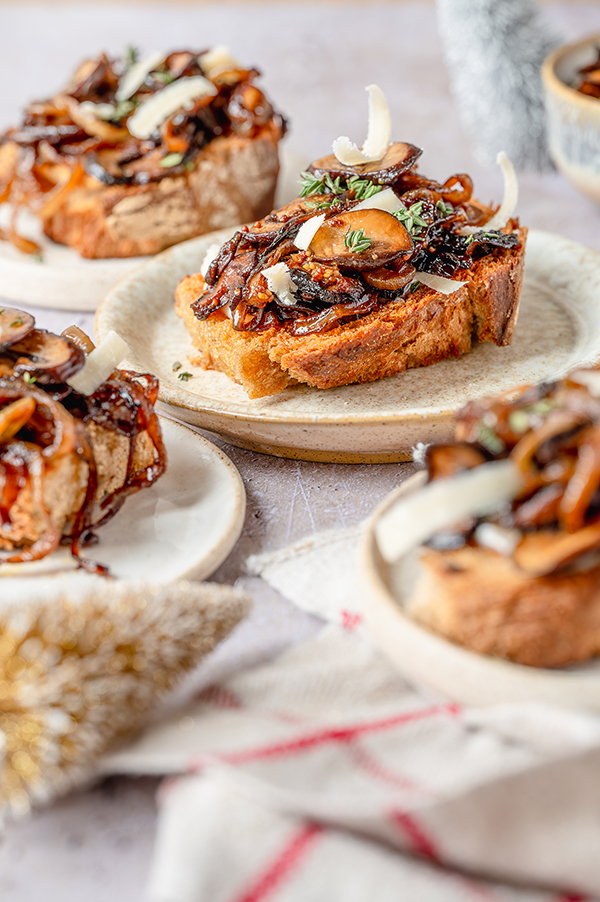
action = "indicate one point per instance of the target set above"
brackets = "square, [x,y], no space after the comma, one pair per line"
[504,541]
[509,201]
[590,379]
[136,75]
[99,364]
[444,502]
[385,200]
[379,133]
[280,283]
[438,283]
[151,114]
[211,254]
[218,60]
[104,111]
[307,231]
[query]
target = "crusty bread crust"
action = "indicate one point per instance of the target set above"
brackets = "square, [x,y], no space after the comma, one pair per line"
[425,328]
[233,180]
[479,599]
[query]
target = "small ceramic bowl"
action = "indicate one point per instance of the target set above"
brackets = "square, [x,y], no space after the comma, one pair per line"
[573,118]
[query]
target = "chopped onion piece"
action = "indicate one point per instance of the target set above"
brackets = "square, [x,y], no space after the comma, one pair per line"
[509,201]
[151,114]
[104,111]
[307,231]
[504,541]
[386,200]
[281,284]
[211,254]
[443,503]
[218,60]
[379,133]
[99,364]
[438,283]
[135,76]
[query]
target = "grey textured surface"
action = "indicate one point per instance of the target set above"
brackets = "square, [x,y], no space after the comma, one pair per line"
[317,58]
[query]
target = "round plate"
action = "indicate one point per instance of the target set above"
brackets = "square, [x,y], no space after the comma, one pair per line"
[65,280]
[465,676]
[558,329]
[184,526]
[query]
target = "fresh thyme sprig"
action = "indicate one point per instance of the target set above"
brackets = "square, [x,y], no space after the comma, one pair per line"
[411,218]
[362,188]
[311,184]
[131,55]
[163,77]
[171,159]
[185,376]
[444,209]
[123,108]
[356,241]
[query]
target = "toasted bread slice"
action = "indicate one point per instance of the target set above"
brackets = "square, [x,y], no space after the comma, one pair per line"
[424,328]
[233,180]
[480,599]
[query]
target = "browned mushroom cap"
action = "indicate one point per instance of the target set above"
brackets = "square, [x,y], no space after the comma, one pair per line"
[390,279]
[547,550]
[399,158]
[14,325]
[361,239]
[80,338]
[47,358]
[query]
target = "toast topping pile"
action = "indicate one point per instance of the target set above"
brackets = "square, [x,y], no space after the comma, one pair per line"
[127,122]
[551,436]
[68,460]
[357,238]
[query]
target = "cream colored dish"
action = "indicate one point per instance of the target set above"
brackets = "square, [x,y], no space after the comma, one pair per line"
[558,330]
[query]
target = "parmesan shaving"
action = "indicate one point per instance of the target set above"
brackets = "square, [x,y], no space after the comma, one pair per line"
[99,364]
[151,114]
[281,284]
[104,111]
[211,254]
[379,133]
[509,201]
[307,231]
[218,60]
[136,75]
[504,541]
[590,379]
[438,283]
[386,200]
[445,502]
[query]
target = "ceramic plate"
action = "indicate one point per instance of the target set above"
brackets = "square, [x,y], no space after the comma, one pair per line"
[558,329]
[465,676]
[184,526]
[66,281]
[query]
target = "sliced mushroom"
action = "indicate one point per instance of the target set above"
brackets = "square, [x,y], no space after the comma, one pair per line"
[390,279]
[444,461]
[46,358]
[546,550]
[81,338]
[387,239]
[14,325]
[399,158]
[14,416]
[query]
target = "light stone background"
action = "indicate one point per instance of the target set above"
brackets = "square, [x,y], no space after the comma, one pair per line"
[316,59]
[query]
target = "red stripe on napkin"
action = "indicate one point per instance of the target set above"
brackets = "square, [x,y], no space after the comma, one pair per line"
[342,735]
[283,865]
[420,842]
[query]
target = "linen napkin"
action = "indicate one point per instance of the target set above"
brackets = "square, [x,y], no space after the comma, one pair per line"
[323,775]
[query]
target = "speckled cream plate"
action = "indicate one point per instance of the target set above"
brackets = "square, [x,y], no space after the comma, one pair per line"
[429,659]
[182,527]
[558,329]
[64,280]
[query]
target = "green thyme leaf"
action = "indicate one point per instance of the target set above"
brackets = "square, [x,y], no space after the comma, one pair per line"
[543,407]
[518,421]
[123,108]
[176,366]
[131,55]
[189,165]
[470,239]
[411,219]
[163,77]
[444,209]
[414,286]
[185,376]
[356,241]
[27,377]
[171,159]
[17,322]
[489,439]
[310,184]
[362,188]
[333,184]
[37,258]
